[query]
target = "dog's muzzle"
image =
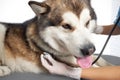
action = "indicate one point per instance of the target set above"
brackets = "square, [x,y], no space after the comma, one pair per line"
[86,60]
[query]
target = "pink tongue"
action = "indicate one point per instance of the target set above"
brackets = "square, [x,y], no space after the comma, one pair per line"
[85,62]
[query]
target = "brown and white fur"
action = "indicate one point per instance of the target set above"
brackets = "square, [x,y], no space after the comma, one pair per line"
[63,28]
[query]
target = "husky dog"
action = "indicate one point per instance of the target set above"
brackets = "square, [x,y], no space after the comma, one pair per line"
[62,28]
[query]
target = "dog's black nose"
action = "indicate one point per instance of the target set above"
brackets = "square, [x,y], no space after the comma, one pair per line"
[88,50]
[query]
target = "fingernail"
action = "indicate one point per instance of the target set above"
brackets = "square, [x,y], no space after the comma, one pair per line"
[45,53]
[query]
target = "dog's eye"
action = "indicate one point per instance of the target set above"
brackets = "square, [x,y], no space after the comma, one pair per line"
[87,23]
[67,26]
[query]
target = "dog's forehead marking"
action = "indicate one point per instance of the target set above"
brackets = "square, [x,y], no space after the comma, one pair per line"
[70,18]
[84,16]
[74,20]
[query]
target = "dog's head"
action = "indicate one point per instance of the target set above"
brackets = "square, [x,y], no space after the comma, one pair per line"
[67,26]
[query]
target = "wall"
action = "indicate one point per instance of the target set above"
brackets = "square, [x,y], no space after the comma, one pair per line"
[103,9]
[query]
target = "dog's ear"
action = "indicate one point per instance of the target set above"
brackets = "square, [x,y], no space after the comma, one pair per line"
[39,8]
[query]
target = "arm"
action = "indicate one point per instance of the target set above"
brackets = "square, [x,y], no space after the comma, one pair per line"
[102,73]
[108,28]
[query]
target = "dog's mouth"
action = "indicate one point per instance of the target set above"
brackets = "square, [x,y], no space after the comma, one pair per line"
[84,62]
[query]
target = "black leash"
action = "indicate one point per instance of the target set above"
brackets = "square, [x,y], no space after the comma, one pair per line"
[107,41]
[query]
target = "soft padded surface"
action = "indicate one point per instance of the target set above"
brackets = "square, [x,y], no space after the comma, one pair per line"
[29,76]
[112,59]
[32,76]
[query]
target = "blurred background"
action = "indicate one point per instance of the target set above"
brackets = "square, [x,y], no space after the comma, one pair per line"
[18,11]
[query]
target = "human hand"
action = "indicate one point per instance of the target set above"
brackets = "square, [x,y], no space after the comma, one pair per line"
[59,68]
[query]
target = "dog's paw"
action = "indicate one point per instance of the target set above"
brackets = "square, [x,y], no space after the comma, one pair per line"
[4,70]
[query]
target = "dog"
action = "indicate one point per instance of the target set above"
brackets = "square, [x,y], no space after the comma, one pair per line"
[62,28]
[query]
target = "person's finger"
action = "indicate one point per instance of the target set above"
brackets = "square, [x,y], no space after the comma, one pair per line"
[49,58]
[45,62]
